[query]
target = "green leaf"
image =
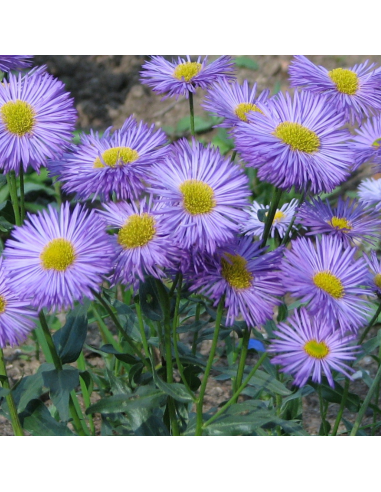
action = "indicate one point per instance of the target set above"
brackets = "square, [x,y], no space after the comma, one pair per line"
[177,391]
[149,300]
[269,383]
[127,358]
[262,214]
[335,395]
[4,392]
[69,340]
[37,420]
[60,384]
[245,62]
[31,387]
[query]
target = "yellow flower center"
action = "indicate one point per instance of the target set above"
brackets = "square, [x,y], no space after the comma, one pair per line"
[377,142]
[58,254]
[318,350]
[242,109]
[117,156]
[298,137]
[18,116]
[198,197]
[329,283]
[138,231]
[377,280]
[235,272]
[340,223]
[279,216]
[187,71]
[346,81]
[3,304]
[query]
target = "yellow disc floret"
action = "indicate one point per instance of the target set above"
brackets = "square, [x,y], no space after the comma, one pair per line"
[340,223]
[187,71]
[198,197]
[59,254]
[298,137]
[329,283]
[138,231]
[3,304]
[377,280]
[377,142]
[317,350]
[346,81]
[279,216]
[235,271]
[242,109]
[18,117]
[117,156]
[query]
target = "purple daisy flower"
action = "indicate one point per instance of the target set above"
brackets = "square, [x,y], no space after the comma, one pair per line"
[375,272]
[369,192]
[366,144]
[356,92]
[182,76]
[14,62]
[37,118]
[17,318]
[233,101]
[114,163]
[57,258]
[204,194]
[297,143]
[308,348]
[330,280]
[348,221]
[281,222]
[144,244]
[248,278]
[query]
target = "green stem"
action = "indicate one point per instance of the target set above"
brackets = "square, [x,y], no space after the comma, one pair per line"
[81,363]
[234,155]
[57,189]
[242,360]
[191,109]
[11,179]
[271,214]
[366,402]
[322,412]
[17,429]
[377,395]
[22,196]
[286,237]
[238,392]
[58,365]
[208,368]
[371,323]
[342,407]
[141,327]
[195,335]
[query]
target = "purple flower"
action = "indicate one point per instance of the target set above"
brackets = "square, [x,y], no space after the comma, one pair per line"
[282,219]
[308,348]
[14,62]
[366,144]
[203,193]
[356,92]
[369,192]
[298,142]
[114,163]
[233,101]
[144,243]
[37,118]
[374,279]
[247,278]
[330,280]
[57,258]
[182,76]
[17,318]
[348,221]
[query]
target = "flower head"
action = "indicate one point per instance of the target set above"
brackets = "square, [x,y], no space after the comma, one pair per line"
[144,242]
[114,163]
[57,258]
[14,62]
[17,318]
[307,347]
[369,192]
[298,142]
[37,118]
[356,91]
[203,195]
[349,221]
[329,279]
[366,145]
[182,76]
[282,219]
[374,279]
[233,101]
[247,278]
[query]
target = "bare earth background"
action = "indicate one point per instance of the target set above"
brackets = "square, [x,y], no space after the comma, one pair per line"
[106,90]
